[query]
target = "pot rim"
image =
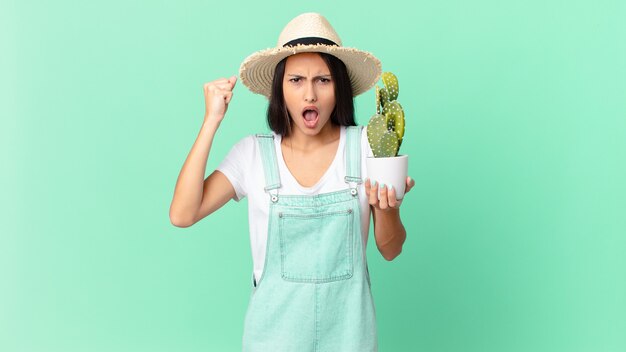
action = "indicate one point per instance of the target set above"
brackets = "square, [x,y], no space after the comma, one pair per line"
[403,156]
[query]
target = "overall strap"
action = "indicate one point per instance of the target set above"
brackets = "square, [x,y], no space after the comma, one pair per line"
[268,157]
[353,154]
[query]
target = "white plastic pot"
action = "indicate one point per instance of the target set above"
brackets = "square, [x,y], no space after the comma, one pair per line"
[390,172]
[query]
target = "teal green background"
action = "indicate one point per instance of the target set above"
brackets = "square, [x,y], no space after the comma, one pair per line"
[516,130]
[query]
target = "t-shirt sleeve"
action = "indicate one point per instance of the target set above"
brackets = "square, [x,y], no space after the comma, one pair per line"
[365,145]
[236,164]
[366,151]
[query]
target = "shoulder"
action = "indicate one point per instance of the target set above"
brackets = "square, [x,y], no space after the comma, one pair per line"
[248,144]
[242,151]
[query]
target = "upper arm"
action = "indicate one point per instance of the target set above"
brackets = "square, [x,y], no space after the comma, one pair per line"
[229,180]
[217,191]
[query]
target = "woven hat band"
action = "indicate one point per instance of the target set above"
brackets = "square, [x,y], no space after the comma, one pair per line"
[310,41]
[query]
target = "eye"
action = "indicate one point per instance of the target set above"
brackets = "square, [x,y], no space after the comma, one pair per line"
[324,80]
[295,79]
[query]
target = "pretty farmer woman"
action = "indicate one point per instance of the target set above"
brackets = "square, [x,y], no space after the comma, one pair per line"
[309,208]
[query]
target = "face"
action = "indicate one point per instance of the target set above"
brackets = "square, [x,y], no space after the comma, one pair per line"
[309,92]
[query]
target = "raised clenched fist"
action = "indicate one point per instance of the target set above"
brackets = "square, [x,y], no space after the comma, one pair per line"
[217,96]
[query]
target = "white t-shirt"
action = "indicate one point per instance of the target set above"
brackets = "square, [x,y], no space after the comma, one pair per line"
[244,169]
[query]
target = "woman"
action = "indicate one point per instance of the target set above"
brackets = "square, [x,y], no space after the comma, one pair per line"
[309,208]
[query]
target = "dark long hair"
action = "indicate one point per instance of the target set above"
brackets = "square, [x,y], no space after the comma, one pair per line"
[277,115]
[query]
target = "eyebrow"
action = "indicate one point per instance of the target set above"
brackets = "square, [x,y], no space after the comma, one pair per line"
[314,77]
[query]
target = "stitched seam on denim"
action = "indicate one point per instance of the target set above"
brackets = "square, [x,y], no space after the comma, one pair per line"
[318,199]
[295,278]
[317,215]
[317,311]
[272,186]
[283,250]
[350,257]
[315,203]
[320,195]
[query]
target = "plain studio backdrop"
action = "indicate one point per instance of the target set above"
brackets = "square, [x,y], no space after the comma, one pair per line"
[515,127]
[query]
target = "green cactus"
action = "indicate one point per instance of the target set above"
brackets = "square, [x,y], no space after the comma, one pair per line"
[388,144]
[391,84]
[375,131]
[382,98]
[395,118]
[385,130]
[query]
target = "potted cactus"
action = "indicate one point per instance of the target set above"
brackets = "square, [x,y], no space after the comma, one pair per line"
[385,132]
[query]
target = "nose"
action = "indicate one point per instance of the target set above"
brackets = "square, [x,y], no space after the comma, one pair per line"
[309,94]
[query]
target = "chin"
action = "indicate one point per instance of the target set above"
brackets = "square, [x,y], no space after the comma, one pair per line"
[311,131]
[308,131]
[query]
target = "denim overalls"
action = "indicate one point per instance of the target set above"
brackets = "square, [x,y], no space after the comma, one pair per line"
[314,293]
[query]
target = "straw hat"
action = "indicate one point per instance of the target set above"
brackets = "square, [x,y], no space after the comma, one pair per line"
[309,32]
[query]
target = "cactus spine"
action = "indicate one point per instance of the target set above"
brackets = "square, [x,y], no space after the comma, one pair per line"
[385,129]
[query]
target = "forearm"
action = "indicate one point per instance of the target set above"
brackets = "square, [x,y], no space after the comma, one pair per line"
[389,232]
[189,186]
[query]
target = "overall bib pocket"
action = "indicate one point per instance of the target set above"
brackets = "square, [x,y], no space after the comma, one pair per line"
[316,247]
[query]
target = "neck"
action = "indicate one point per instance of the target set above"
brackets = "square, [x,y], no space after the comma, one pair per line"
[301,141]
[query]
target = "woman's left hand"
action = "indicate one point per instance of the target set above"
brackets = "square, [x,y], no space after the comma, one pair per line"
[387,199]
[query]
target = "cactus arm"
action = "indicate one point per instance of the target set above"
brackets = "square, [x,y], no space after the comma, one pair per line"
[384,97]
[389,144]
[378,102]
[391,85]
[375,130]
[395,110]
[385,130]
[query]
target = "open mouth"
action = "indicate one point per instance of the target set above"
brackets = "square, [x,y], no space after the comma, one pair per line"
[310,115]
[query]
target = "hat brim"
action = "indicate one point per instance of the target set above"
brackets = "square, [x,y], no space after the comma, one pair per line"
[257,70]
